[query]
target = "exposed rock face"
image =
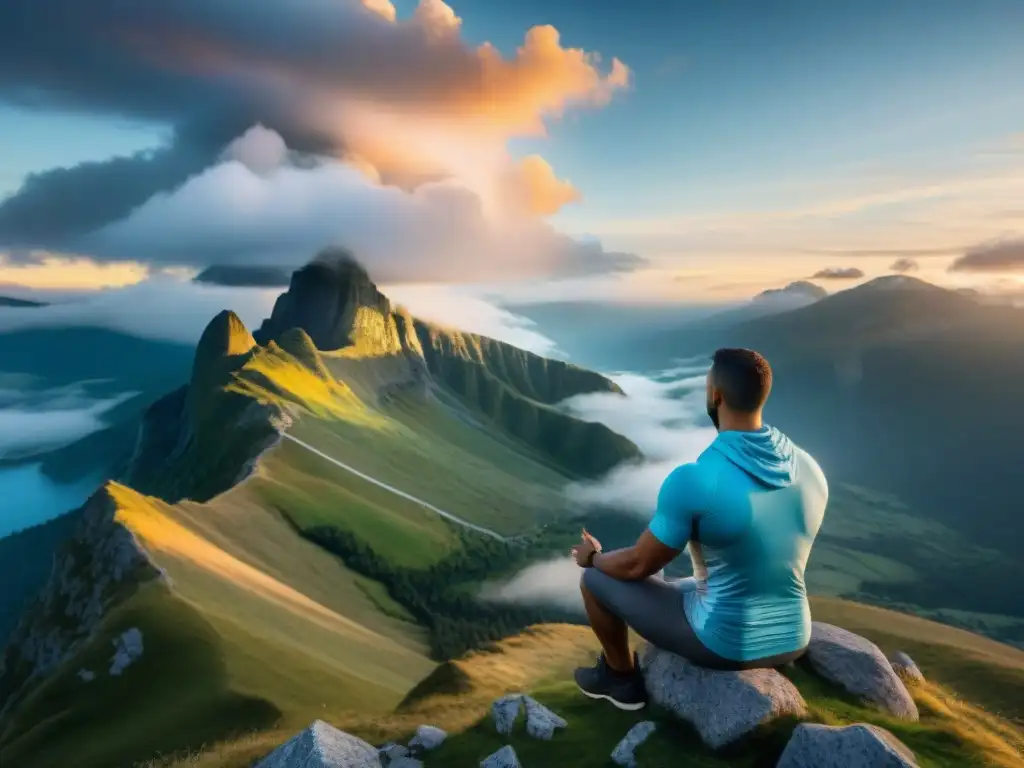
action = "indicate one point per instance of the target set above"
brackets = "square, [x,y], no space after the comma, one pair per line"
[428,737]
[96,568]
[905,667]
[722,706]
[405,762]
[859,666]
[503,758]
[624,752]
[855,746]
[322,746]
[322,299]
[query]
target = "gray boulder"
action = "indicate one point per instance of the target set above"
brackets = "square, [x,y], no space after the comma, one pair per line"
[503,758]
[506,711]
[905,667]
[322,746]
[855,746]
[541,722]
[624,752]
[722,706]
[428,737]
[859,666]
[392,751]
[405,762]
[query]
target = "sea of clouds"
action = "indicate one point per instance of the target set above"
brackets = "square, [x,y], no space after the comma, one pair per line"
[665,415]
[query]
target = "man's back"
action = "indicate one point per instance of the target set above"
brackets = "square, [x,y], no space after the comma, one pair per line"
[754,502]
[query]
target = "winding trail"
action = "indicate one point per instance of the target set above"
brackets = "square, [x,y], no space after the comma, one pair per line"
[380,484]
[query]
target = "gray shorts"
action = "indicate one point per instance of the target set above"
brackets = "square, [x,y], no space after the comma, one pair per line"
[653,608]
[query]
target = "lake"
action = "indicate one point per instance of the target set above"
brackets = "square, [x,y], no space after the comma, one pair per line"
[28,497]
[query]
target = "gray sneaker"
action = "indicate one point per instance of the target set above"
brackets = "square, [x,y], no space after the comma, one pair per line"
[602,682]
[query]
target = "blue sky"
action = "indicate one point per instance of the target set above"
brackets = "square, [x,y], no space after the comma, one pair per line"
[736,109]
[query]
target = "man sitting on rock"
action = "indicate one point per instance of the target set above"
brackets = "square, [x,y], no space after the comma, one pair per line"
[749,507]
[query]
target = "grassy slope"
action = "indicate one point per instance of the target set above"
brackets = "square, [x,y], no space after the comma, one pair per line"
[457,697]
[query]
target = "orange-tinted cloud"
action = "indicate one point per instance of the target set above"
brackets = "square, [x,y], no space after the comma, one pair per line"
[532,186]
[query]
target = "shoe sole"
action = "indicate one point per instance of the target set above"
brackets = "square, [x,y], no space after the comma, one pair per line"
[619,704]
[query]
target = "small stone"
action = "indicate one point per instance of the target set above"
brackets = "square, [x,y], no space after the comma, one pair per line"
[905,667]
[392,751]
[855,746]
[541,722]
[428,737]
[86,675]
[322,746]
[503,758]
[859,666]
[623,754]
[506,711]
[127,648]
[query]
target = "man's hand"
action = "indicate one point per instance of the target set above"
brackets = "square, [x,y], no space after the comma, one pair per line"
[583,552]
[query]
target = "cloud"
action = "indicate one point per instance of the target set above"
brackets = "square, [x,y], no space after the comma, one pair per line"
[1005,255]
[457,308]
[904,265]
[838,273]
[65,418]
[159,308]
[234,213]
[553,582]
[406,97]
[169,309]
[664,415]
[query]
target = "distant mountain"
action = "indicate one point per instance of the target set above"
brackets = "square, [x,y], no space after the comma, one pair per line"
[670,341]
[906,387]
[244,276]
[10,301]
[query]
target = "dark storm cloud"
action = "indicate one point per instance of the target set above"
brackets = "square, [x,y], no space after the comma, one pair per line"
[999,256]
[838,273]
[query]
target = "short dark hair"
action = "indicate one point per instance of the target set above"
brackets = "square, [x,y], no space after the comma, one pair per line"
[743,377]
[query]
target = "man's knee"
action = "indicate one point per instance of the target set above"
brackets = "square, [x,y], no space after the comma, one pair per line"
[589,581]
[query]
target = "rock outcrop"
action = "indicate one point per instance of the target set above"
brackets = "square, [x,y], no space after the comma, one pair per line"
[322,746]
[624,753]
[503,758]
[905,667]
[855,746]
[722,706]
[99,566]
[859,666]
[127,648]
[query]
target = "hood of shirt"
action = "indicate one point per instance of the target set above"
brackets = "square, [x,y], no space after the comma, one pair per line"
[767,454]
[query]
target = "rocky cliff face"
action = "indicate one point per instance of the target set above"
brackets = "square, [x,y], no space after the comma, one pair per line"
[99,566]
[324,299]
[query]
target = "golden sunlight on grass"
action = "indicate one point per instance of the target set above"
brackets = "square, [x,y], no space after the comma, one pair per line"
[274,376]
[163,535]
[51,272]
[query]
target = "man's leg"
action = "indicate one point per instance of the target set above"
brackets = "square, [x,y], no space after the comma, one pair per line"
[611,631]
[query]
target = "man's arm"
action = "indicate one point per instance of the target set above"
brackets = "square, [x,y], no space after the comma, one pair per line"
[645,558]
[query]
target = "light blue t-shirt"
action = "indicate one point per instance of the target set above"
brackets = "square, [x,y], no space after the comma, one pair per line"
[755,502]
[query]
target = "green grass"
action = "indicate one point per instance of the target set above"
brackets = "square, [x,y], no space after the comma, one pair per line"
[457,697]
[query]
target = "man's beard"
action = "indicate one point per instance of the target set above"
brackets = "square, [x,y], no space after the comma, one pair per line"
[713,414]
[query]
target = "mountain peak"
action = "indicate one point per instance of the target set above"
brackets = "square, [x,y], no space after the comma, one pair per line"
[897,283]
[323,299]
[225,336]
